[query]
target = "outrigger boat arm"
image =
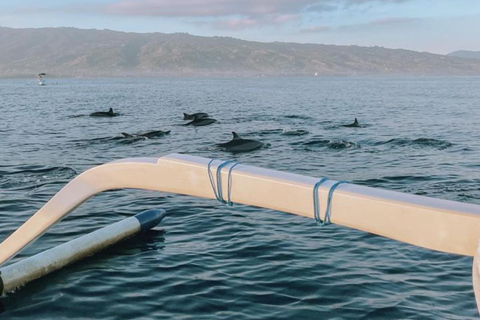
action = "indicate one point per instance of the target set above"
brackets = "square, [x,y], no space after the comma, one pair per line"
[435,224]
[441,225]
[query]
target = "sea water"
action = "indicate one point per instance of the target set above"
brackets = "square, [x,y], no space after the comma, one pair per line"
[210,261]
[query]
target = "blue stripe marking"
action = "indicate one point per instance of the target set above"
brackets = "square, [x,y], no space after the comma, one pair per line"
[316,202]
[150,218]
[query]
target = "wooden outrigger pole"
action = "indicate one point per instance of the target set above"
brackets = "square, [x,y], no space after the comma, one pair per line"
[441,225]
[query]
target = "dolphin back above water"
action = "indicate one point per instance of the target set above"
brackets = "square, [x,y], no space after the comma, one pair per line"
[109,113]
[148,135]
[198,122]
[355,124]
[198,115]
[237,144]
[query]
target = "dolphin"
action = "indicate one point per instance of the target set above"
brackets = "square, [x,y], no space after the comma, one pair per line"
[148,135]
[155,134]
[355,124]
[128,135]
[110,113]
[198,115]
[238,144]
[200,122]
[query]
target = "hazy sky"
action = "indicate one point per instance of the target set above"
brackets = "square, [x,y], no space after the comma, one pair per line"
[439,26]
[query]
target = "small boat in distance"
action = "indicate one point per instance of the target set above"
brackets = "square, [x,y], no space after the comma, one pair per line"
[41,81]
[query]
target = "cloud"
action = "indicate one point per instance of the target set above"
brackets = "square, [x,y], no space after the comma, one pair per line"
[350,2]
[227,14]
[360,26]
[315,29]
[219,8]
[206,8]
[219,14]
[389,21]
[379,23]
[236,23]
[322,6]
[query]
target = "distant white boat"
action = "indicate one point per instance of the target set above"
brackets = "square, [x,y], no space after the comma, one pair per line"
[41,81]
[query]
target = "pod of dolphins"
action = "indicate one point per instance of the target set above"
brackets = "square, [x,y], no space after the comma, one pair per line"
[237,144]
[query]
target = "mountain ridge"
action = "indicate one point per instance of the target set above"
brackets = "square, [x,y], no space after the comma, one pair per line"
[467,54]
[72,52]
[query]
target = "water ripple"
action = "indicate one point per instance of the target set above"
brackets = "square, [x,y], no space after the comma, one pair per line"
[418,143]
[32,177]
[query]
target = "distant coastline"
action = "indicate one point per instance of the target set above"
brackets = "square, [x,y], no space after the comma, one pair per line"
[77,53]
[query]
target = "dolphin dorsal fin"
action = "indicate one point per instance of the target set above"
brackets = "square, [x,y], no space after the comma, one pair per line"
[110,110]
[236,136]
[356,121]
[185,115]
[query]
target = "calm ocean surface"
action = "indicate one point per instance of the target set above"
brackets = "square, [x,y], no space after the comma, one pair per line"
[210,261]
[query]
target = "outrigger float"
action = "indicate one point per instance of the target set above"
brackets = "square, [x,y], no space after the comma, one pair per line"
[435,224]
